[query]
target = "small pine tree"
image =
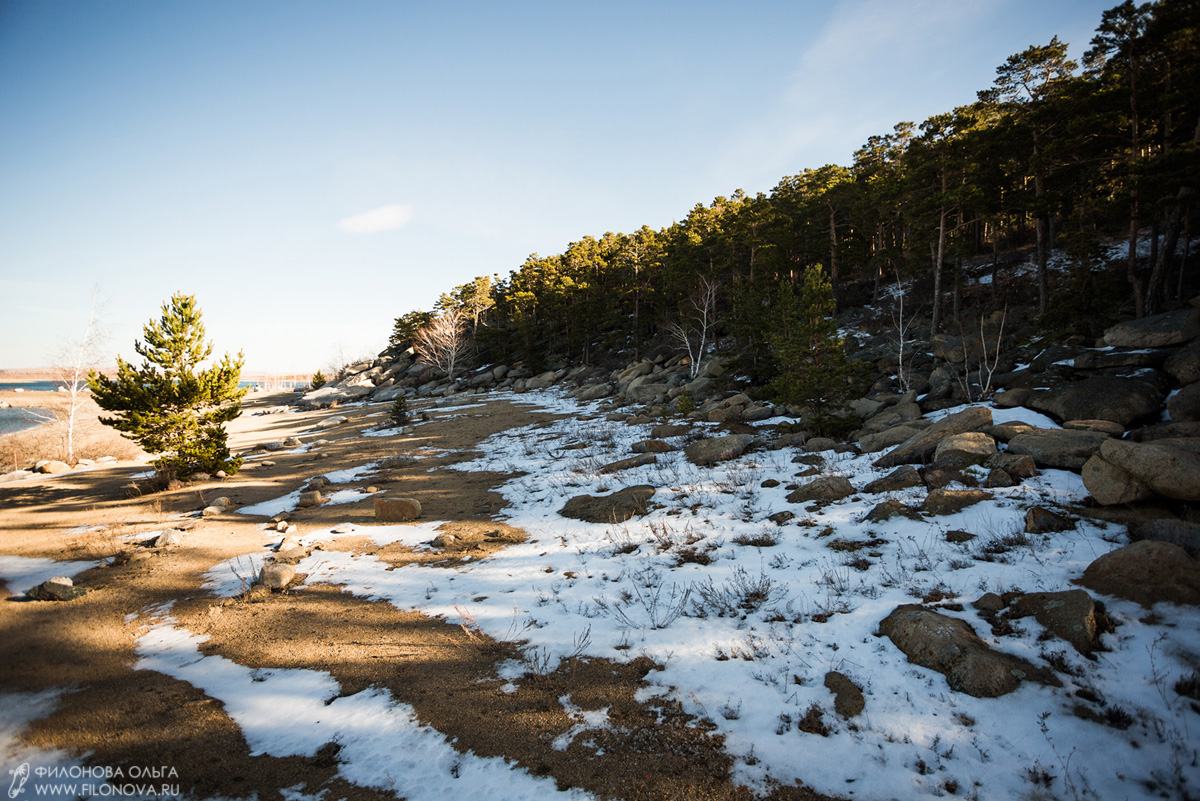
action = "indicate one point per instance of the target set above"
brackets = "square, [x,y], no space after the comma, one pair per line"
[399,411]
[168,405]
[812,368]
[319,380]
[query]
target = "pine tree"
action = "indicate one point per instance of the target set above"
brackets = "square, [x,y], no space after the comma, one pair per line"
[813,370]
[168,405]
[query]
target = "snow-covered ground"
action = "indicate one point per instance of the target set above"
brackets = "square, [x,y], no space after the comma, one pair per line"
[747,638]
[746,617]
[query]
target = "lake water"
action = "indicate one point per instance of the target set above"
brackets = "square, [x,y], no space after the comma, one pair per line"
[31,386]
[14,420]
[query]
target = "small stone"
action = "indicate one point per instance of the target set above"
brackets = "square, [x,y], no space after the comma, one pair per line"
[211,511]
[397,510]
[317,482]
[222,503]
[989,602]
[267,463]
[168,538]
[220,474]
[948,502]
[779,518]
[1042,521]
[59,588]
[999,479]
[959,536]
[276,576]
[310,499]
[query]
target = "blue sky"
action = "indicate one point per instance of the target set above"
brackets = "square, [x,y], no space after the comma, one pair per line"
[311,170]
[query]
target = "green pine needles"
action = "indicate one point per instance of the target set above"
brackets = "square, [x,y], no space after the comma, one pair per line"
[813,370]
[168,405]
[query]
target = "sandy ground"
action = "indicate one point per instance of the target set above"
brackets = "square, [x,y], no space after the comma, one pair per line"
[117,715]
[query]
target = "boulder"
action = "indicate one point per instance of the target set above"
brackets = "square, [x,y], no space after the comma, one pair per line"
[1118,400]
[542,381]
[971,447]
[59,588]
[818,444]
[1103,426]
[332,422]
[615,508]
[651,446]
[872,443]
[903,477]
[826,488]
[594,392]
[396,510]
[951,647]
[718,449]
[892,508]
[1170,472]
[1177,532]
[276,576]
[1155,331]
[1069,615]
[1058,448]
[948,502]
[1110,485]
[1184,364]
[999,479]
[1184,405]
[922,445]
[51,466]
[1146,572]
[848,698]
[632,461]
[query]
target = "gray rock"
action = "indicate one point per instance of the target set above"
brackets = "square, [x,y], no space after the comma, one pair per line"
[1146,572]
[1177,532]
[631,462]
[1184,405]
[1119,400]
[59,588]
[396,510]
[1170,472]
[276,576]
[892,508]
[948,502]
[951,647]
[1055,448]
[169,538]
[903,477]
[1184,364]
[921,446]
[1069,615]
[1110,485]
[1039,520]
[887,438]
[1156,331]
[615,508]
[310,499]
[718,449]
[594,392]
[826,488]
[972,447]
[651,446]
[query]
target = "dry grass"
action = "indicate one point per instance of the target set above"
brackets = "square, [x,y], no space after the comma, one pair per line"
[92,439]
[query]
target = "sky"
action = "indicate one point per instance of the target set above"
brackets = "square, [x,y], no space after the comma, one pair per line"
[312,170]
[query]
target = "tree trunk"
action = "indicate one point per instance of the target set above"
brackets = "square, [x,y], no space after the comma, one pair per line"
[939,252]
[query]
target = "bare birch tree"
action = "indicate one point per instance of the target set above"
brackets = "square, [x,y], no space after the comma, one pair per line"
[444,342]
[74,359]
[693,332]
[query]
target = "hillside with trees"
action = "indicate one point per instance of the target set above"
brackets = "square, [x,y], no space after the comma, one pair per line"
[1054,155]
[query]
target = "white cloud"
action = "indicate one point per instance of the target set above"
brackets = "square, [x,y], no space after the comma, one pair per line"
[384,218]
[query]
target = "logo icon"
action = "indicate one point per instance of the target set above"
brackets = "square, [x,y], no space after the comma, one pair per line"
[20,776]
